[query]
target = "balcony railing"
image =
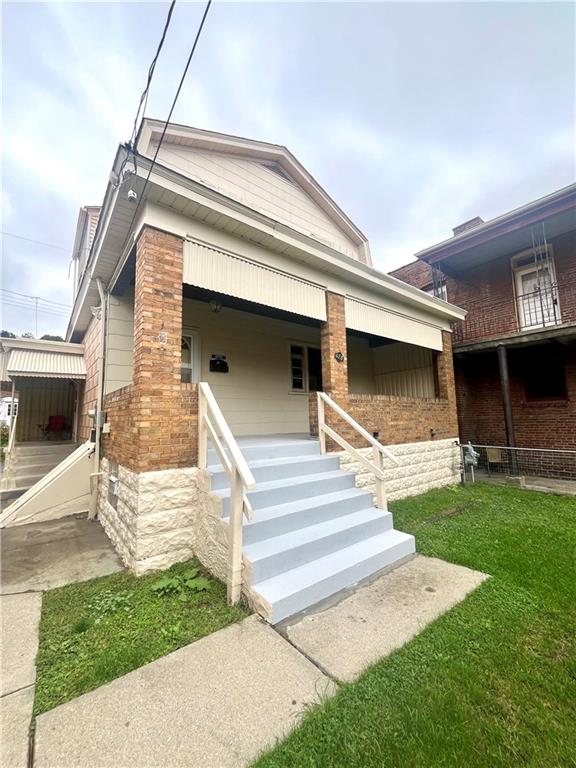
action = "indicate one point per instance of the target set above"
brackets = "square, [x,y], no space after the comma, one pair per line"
[529,311]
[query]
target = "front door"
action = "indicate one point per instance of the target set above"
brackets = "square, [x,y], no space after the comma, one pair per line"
[190,366]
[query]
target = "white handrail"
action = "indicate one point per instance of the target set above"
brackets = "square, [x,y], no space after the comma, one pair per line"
[11,438]
[213,425]
[378,450]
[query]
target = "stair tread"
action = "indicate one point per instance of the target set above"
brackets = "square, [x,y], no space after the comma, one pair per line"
[277,462]
[270,485]
[285,541]
[297,579]
[300,505]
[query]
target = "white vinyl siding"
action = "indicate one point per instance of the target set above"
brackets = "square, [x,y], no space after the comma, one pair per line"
[227,273]
[404,370]
[119,342]
[255,395]
[257,186]
[379,321]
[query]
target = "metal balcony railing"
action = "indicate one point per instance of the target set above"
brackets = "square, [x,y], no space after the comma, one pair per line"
[529,311]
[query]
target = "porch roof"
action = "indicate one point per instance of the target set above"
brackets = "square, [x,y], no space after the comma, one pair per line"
[38,359]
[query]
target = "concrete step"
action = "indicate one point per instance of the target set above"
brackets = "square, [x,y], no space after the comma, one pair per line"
[266,470]
[37,464]
[283,518]
[290,489]
[273,556]
[48,448]
[259,449]
[297,590]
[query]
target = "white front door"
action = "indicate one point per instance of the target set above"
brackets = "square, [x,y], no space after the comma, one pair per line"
[536,296]
[190,356]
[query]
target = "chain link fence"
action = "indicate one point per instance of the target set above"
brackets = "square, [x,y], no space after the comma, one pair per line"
[532,464]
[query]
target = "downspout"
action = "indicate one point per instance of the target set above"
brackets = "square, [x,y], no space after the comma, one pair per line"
[99,400]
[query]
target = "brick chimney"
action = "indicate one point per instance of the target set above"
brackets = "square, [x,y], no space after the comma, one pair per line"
[470,224]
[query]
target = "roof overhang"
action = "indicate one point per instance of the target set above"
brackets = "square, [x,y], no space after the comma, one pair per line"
[117,233]
[31,358]
[507,234]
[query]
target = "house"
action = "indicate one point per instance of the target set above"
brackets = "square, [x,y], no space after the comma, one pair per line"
[515,352]
[252,383]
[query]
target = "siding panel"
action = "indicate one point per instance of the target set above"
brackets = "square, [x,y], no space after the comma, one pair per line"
[368,318]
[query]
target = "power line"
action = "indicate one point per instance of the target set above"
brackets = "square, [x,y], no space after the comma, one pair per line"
[31,240]
[166,124]
[27,296]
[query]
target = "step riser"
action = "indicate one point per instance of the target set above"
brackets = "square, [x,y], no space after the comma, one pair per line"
[261,453]
[35,467]
[49,448]
[271,497]
[259,531]
[280,562]
[281,471]
[347,578]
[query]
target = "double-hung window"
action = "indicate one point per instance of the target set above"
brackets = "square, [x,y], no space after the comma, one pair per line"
[305,368]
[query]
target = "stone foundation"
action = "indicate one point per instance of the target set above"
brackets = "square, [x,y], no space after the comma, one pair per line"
[423,465]
[164,517]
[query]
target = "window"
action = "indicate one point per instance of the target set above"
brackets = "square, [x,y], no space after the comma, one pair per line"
[9,408]
[440,291]
[536,289]
[543,375]
[190,357]
[305,368]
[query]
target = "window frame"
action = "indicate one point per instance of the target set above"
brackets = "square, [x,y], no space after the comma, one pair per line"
[195,361]
[517,270]
[305,368]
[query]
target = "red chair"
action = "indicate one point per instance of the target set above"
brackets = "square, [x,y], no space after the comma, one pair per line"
[56,426]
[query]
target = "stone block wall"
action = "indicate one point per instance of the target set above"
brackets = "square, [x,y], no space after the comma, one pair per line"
[163,517]
[423,465]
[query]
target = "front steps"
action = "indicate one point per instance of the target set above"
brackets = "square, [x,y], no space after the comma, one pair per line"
[30,462]
[314,533]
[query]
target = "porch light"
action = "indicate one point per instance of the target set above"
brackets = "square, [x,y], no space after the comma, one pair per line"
[215,305]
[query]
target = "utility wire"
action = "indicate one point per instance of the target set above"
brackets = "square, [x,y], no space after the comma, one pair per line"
[31,240]
[167,123]
[27,296]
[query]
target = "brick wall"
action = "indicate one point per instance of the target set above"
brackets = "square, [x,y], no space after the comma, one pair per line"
[90,390]
[417,273]
[332,342]
[536,424]
[397,419]
[154,422]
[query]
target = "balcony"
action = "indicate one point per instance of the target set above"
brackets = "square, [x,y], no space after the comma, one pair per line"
[532,311]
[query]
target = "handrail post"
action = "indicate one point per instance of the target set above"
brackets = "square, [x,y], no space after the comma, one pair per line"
[202,430]
[380,487]
[321,423]
[235,549]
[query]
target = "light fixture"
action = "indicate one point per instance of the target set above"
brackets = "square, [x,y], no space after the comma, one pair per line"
[132,196]
[215,305]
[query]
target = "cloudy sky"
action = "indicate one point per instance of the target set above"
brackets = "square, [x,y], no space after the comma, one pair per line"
[414,117]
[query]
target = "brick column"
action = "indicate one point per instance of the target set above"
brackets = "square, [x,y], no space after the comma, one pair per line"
[157,395]
[332,342]
[445,379]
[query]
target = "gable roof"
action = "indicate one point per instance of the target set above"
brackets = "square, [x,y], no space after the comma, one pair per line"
[277,157]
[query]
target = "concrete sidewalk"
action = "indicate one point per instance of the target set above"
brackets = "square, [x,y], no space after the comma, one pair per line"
[216,703]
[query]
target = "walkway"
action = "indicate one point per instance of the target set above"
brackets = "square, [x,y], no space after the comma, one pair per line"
[35,558]
[221,701]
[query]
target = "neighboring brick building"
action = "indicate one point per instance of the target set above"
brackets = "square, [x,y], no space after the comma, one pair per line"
[515,353]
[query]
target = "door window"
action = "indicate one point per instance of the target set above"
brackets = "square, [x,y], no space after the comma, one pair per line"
[190,357]
[536,293]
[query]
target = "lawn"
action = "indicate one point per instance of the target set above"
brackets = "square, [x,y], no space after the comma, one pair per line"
[95,631]
[491,683]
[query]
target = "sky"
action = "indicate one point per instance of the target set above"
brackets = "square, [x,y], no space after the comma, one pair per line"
[413,116]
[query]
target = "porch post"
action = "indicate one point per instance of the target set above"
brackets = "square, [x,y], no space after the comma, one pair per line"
[507,401]
[156,405]
[333,347]
[12,408]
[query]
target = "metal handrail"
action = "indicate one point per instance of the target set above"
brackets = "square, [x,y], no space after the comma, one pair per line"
[11,437]
[378,450]
[213,425]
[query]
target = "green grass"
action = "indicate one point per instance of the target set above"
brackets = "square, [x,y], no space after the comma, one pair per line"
[95,631]
[492,682]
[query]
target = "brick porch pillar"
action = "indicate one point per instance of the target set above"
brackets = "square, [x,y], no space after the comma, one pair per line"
[157,395]
[332,345]
[445,379]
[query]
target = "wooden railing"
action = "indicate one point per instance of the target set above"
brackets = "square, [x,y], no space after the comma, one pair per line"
[212,425]
[376,466]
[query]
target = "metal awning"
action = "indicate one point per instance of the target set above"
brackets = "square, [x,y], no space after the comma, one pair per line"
[33,363]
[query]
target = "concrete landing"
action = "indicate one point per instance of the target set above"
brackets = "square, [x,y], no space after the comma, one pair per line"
[41,556]
[216,703]
[381,616]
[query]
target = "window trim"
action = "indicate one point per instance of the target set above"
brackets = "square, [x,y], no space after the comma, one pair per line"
[306,378]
